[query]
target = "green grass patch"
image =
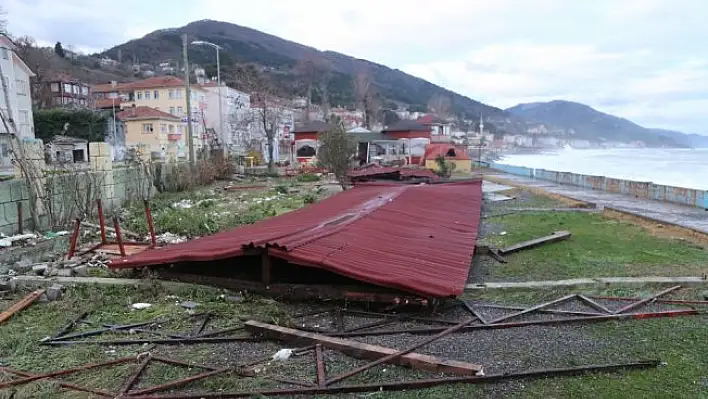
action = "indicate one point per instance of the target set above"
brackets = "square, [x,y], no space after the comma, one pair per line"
[599,247]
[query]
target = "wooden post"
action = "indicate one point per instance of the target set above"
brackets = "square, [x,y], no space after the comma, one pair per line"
[265,268]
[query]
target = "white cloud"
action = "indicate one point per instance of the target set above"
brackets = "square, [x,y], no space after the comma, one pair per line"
[607,53]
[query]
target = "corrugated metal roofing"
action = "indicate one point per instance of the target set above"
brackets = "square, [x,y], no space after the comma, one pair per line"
[392,235]
[374,172]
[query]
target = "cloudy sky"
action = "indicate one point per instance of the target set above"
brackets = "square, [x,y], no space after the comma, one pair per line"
[646,60]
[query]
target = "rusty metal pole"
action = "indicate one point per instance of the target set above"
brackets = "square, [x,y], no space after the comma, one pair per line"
[319,359]
[151,225]
[119,237]
[74,238]
[101,221]
[20,221]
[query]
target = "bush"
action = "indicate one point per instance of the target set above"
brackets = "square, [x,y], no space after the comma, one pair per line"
[309,198]
[307,178]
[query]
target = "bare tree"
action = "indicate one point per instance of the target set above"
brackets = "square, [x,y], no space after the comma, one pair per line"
[3,20]
[306,70]
[337,149]
[365,95]
[265,107]
[440,105]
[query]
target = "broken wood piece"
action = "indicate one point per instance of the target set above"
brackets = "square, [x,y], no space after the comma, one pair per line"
[555,237]
[494,253]
[23,303]
[108,228]
[362,350]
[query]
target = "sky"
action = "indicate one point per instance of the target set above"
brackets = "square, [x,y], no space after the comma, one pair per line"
[645,60]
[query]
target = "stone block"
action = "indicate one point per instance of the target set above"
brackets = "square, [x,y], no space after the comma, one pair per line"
[63,272]
[22,266]
[54,292]
[101,163]
[8,285]
[99,149]
[40,268]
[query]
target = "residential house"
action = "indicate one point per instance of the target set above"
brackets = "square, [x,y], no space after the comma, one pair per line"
[65,149]
[152,133]
[16,78]
[167,94]
[349,118]
[108,62]
[234,123]
[439,128]
[65,90]
[455,155]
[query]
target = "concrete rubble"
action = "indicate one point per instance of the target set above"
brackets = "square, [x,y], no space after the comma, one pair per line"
[75,266]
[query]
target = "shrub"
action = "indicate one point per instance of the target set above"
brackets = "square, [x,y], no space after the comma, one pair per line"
[307,178]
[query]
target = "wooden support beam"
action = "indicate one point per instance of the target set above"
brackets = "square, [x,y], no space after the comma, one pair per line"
[362,350]
[555,237]
[23,303]
[265,268]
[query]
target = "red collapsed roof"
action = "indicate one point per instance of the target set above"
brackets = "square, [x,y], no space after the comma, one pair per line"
[432,151]
[391,235]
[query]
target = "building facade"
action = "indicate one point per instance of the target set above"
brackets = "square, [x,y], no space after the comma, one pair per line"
[16,78]
[151,133]
[66,90]
[232,125]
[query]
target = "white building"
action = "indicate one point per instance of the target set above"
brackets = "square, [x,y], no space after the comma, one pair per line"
[233,124]
[284,119]
[16,76]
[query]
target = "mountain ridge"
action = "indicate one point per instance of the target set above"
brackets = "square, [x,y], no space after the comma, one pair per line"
[591,124]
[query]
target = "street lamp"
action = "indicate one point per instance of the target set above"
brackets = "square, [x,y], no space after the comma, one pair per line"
[218,83]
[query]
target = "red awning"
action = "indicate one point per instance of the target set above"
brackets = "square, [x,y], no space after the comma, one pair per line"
[417,238]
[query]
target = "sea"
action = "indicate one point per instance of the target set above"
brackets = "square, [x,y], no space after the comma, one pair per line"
[674,167]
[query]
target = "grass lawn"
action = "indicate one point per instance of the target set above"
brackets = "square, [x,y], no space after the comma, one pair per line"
[599,247]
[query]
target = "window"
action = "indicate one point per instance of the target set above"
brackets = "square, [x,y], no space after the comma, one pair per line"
[172,110]
[172,129]
[178,93]
[163,128]
[84,90]
[5,54]
[4,150]
[55,87]
[21,87]
[75,88]
[171,94]
[67,88]
[180,129]
[139,95]
[180,111]
[147,128]
[156,95]
[24,116]
[147,94]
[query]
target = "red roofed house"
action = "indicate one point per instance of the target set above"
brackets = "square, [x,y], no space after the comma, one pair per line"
[456,155]
[151,132]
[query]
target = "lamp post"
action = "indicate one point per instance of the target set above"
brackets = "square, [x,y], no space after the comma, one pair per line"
[218,83]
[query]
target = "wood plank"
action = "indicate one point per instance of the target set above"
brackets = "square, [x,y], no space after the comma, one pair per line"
[555,237]
[18,306]
[362,350]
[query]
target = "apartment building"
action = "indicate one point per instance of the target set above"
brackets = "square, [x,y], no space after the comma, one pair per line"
[235,119]
[65,90]
[16,78]
[153,134]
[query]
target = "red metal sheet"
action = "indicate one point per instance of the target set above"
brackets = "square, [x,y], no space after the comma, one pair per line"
[392,235]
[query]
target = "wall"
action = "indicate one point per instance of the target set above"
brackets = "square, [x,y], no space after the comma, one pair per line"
[648,190]
[113,185]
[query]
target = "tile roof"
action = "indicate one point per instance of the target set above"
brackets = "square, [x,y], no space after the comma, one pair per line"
[103,103]
[431,119]
[157,82]
[392,235]
[143,112]
[432,151]
[313,127]
[407,125]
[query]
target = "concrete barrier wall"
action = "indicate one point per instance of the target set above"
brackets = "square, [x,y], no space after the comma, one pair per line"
[648,190]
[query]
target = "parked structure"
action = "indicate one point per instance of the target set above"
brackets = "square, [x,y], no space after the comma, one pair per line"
[16,78]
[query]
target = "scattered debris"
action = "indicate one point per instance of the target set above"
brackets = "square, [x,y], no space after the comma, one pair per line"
[189,304]
[25,302]
[10,241]
[362,350]
[282,355]
[170,238]
[140,305]
[555,237]
[54,292]
[111,229]
[8,285]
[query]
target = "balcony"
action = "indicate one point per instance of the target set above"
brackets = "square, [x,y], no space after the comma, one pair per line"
[174,136]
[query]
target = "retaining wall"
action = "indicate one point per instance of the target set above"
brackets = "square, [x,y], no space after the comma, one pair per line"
[648,190]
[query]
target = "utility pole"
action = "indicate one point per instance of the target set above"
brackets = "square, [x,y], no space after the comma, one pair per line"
[188,92]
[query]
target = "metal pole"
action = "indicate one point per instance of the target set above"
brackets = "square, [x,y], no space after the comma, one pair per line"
[221,98]
[190,139]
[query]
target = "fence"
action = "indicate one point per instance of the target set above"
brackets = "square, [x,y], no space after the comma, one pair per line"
[648,190]
[70,192]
